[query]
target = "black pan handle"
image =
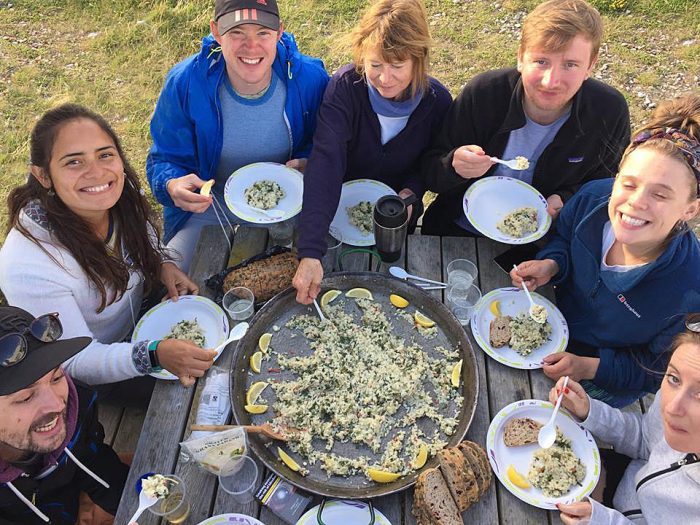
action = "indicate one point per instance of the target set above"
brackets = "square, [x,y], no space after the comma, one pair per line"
[323,504]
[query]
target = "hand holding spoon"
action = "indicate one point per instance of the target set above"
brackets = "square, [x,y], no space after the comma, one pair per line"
[548,433]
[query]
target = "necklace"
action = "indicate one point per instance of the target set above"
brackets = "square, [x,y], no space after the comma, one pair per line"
[254,95]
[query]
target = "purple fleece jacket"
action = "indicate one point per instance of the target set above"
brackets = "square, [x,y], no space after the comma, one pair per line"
[347,146]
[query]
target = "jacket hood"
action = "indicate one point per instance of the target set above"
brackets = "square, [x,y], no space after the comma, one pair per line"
[9,472]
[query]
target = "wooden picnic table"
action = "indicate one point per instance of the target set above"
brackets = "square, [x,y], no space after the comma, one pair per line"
[172,408]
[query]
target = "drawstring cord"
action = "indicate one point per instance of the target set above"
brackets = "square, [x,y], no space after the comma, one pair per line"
[28,503]
[86,470]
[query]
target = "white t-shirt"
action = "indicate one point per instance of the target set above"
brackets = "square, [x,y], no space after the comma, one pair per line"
[608,240]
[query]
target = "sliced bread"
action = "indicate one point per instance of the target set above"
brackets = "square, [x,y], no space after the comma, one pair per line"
[521,431]
[483,459]
[475,465]
[437,500]
[499,331]
[463,489]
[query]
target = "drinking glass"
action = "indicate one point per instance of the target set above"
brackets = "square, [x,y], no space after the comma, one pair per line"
[282,233]
[243,481]
[330,260]
[175,507]
[461,270]
[239,302]
[462,300]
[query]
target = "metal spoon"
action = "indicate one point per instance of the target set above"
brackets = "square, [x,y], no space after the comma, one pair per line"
[512,164]
[145,501]
[534,307]
[399,272]
[235,334]
[548,433]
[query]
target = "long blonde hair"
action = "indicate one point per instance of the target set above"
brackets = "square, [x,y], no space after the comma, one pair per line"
[398,30]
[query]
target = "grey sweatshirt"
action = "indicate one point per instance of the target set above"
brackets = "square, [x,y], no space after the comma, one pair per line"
[672,497]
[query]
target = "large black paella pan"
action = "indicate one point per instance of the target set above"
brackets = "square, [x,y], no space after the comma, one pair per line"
[273,317]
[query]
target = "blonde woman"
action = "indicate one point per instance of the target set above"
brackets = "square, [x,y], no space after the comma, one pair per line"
[625,261]
[377,117]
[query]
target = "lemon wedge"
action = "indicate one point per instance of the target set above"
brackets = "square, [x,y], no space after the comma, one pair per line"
[456,374]
[329,297]
[421,457]
[287,460]
[398,301]
[359,293]
[495,308]
[264,342]
[256,361]
[517,478]
[254,392]
[206,188]
[255,409]
[382,476]
[424,321]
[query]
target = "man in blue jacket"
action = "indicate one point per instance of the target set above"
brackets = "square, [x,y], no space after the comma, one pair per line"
[248,96]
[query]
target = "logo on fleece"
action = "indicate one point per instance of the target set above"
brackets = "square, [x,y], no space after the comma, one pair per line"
[574,160]
[623,300]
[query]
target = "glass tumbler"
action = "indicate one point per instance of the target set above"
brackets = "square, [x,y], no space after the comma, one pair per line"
[462,300]
[461,270]
[175,507]
[239,302]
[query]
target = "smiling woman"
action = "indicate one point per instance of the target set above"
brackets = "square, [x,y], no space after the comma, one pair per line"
[626,261]
[83,243]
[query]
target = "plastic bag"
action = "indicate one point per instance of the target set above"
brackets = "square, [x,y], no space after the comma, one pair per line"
[214,401]
[219,453]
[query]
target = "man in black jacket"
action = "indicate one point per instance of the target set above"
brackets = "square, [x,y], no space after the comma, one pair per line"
[51,444]
[572,128]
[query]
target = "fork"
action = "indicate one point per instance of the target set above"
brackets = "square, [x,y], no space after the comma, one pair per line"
[512,164]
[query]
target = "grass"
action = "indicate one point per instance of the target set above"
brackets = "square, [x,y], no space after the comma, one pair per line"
[112,55]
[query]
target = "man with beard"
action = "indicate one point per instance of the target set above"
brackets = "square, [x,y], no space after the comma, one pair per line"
[51,443]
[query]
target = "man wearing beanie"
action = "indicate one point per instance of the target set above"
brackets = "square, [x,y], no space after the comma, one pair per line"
[248,96]
[51,444]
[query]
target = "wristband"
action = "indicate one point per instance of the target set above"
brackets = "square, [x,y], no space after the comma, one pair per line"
[155,364]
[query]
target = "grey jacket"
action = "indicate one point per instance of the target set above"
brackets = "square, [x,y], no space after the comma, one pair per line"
[658,487]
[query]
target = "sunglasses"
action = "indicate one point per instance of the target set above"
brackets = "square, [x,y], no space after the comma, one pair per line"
[13,346]
[692,322]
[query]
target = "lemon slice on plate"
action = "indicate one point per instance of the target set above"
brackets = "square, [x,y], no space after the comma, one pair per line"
[421,457]
[517,478]
[256,361]
[423,320]
[264,342]
[329,297]
[359,293]
[495,308]
[287,460]
[206,188]
[255,409]
[456,374]
[254,392]
[398,301]
[382,476]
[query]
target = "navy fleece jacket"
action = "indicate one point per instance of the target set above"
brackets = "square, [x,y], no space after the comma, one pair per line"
[630,317]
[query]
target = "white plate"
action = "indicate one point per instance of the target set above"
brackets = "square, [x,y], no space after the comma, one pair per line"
[501,456]
[489,200]
[353,192]
[343,512]
[238,519]
[159,320]
[513,302]
[290,180]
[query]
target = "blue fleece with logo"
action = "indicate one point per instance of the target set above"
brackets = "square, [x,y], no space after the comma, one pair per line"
[629,318]
[186,127]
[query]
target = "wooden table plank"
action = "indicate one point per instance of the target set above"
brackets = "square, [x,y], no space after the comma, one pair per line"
[505,385]
[109,416]
[130,426]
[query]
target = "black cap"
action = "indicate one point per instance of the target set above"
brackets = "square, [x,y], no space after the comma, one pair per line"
[231,13]
[41,357]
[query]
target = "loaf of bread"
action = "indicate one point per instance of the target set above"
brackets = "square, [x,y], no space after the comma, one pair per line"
[521,431]
[266,277]
[477,456]
[433,500]
[459,477]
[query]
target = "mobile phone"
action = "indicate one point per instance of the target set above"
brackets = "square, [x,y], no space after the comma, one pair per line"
[515,255]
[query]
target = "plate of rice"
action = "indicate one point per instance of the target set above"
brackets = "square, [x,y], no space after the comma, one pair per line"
[192,317]
[530,341]
[566,472]
[265,185]
[352,223]
[506,210]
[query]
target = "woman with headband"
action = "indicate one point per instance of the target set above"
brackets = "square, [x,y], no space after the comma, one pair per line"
[624,261]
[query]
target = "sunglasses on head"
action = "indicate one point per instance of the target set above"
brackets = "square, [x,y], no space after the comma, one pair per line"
[692,322]
[13,346]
